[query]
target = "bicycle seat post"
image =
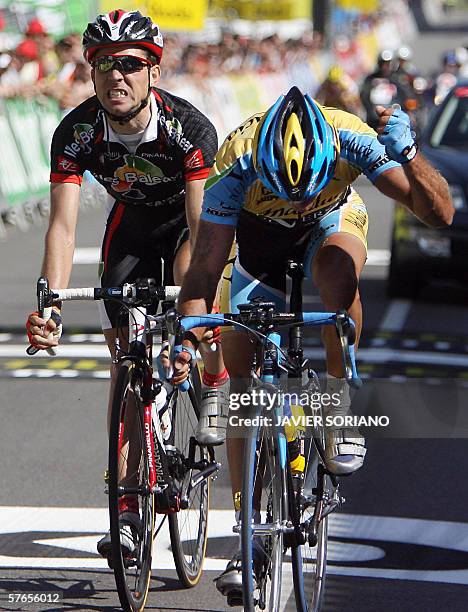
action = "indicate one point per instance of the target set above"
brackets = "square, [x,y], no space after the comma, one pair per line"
[295,271]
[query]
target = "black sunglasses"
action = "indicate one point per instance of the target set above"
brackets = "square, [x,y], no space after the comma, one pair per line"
[123,63]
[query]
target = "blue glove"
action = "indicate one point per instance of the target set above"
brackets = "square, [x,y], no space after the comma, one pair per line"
[193,356]
[398,138]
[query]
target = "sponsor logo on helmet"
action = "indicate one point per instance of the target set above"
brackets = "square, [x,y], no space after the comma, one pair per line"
[276,181]
[158,39]
[134,35]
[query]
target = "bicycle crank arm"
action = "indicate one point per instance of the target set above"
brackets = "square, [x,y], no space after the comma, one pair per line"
[204,474]
[134,490]
[266,529]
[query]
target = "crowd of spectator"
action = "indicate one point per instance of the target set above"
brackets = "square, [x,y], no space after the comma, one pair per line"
[40,65]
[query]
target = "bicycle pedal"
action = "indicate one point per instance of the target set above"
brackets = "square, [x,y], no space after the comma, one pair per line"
[131,562]
[234,599]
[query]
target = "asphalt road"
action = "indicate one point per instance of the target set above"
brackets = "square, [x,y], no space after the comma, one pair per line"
[399,542]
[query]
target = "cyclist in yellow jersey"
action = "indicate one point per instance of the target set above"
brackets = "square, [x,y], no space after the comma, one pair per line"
[282,183]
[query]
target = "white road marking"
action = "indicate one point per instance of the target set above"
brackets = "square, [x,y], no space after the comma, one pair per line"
[64,350]
[92,521]
[384,355]
[368,355]
[410,343]
[91,255]
[395,315]
[378,257]
[442,346]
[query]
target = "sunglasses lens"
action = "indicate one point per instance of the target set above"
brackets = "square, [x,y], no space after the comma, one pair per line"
[104,64]
[123,63]
[131,64]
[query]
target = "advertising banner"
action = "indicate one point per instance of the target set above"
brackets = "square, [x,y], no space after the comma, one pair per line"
[13,178]
[256,10]
[59,17]
[26,129]
[362,6]
[170,16]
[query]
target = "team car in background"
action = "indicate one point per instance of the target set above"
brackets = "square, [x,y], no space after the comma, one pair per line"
[420,254]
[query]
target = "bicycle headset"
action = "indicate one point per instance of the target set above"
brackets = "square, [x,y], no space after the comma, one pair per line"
[295,148]
[129,29]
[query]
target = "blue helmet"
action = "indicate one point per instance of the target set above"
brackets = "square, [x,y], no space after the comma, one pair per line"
[295,147]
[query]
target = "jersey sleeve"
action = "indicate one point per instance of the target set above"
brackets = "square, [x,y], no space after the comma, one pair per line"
[66,164]
[198,161]
[231,177]
[360,146]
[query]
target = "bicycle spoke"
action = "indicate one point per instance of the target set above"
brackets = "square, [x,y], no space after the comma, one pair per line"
[262,551]
[309,559]
[129,471]
[188,527]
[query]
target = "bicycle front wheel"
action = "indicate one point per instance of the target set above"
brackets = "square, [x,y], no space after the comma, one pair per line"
[262,545]
[189,526]
[129,475]
[309,560]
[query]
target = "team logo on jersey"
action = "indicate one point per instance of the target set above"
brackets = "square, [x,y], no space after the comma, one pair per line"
[67,165]
[174,131]
[135,171]
[194,160]
[83,134]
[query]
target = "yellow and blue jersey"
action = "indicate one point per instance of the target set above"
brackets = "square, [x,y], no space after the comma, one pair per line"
[234,185]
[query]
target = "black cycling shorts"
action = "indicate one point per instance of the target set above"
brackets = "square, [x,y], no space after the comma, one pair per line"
[136,242]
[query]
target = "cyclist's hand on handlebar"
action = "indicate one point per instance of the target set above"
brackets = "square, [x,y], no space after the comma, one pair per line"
[44,334]
[212,335]
[182,367]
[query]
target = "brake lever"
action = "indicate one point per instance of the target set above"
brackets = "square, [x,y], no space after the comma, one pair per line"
[346,331]
[42,293]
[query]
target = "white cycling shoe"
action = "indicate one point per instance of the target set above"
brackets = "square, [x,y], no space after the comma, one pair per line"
[130,533]
[344,451]
[214,411]
[344,446]
[229,583]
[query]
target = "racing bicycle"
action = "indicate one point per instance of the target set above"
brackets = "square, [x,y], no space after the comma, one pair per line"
[296,504]
[152,449]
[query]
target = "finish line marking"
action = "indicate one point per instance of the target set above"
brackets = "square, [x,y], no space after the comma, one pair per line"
[367,355]
[91,523]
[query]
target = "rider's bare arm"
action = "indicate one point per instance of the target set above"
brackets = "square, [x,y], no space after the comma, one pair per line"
[60,237]
[416,183]
[421,188]
[208,260]
[193,204]
[58,255]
